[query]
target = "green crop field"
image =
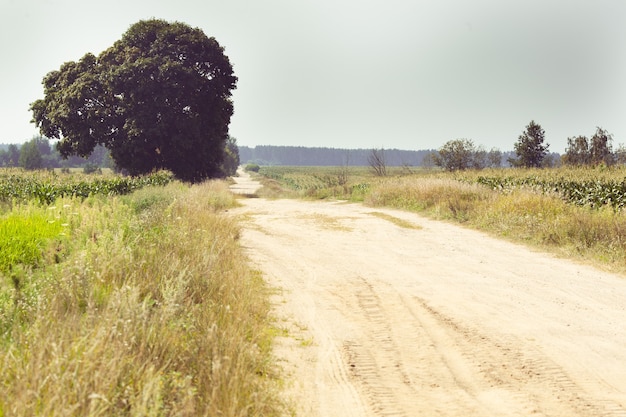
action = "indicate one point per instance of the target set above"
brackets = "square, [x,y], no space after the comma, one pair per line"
[47,186]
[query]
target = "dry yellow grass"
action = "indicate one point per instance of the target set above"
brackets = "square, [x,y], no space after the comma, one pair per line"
[153,313]
[523,214]
[597,236]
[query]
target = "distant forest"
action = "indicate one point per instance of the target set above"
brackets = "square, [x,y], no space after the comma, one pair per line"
[39,154]
[299,155]
[304,156]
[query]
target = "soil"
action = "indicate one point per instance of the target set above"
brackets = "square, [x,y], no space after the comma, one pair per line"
[429,318]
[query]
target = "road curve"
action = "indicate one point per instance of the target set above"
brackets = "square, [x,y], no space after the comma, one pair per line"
[384,319]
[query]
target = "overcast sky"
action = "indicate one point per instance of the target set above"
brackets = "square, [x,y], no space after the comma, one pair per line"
[407,74]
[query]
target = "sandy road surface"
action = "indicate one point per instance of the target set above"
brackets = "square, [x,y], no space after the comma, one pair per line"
[433,321]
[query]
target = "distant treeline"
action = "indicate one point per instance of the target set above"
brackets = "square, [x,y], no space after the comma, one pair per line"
[303,156]
[37,153]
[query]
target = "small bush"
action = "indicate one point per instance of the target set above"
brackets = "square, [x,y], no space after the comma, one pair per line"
[252,168]
[92,169]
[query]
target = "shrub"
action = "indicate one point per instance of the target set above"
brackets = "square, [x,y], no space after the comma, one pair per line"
[252,168]
[90,168]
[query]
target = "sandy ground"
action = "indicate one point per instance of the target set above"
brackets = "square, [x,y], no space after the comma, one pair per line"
[434,320]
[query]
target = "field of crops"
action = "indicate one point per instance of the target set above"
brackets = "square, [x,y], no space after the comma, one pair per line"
[583,187]
[590,187]
[47,186]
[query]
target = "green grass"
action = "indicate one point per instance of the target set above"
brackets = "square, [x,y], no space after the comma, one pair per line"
[23,239]
[152,310]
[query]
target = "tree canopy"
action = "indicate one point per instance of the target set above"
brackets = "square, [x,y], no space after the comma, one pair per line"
[159,98]
[577,151]
[460,154]
[30,156]
[530,147]
[456,154]
[598,150]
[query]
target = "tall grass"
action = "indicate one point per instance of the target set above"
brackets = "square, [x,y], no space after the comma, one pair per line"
[444,198]
[522,215]
[23,238]
[153,312]
[524,209]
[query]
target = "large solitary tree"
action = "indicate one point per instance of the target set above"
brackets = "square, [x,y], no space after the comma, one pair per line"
[159,98]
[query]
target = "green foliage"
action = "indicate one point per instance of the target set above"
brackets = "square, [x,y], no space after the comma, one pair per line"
[30,156]
[462,154]
[593,192]
[44,156]
[456,155]
[12,156]
[151,313]
[22,239]
[601,151]
[319,182]
[252,168]
[47,187]
[159,98]
[530,147]
[231,157]
[577,151]
[90,168]
[598,150]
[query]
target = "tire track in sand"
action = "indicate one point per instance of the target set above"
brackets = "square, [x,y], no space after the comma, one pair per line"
[400,333]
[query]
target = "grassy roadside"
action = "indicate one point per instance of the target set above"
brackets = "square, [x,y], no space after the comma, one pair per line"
[139,305]
[596,236]
[522,214]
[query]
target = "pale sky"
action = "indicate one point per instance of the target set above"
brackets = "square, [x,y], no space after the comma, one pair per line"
[407,74]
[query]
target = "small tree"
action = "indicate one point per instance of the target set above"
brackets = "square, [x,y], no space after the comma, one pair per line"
[530,148]
[577,151]
[13,156]
[479,158]
[231,157]
[43,144]
[344,172]
[30,157]
[458,154]
[430,159]
[495,158]
[601,148]
[620,154]
[377,162]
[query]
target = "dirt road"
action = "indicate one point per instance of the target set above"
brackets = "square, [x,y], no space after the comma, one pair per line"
[433,319]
